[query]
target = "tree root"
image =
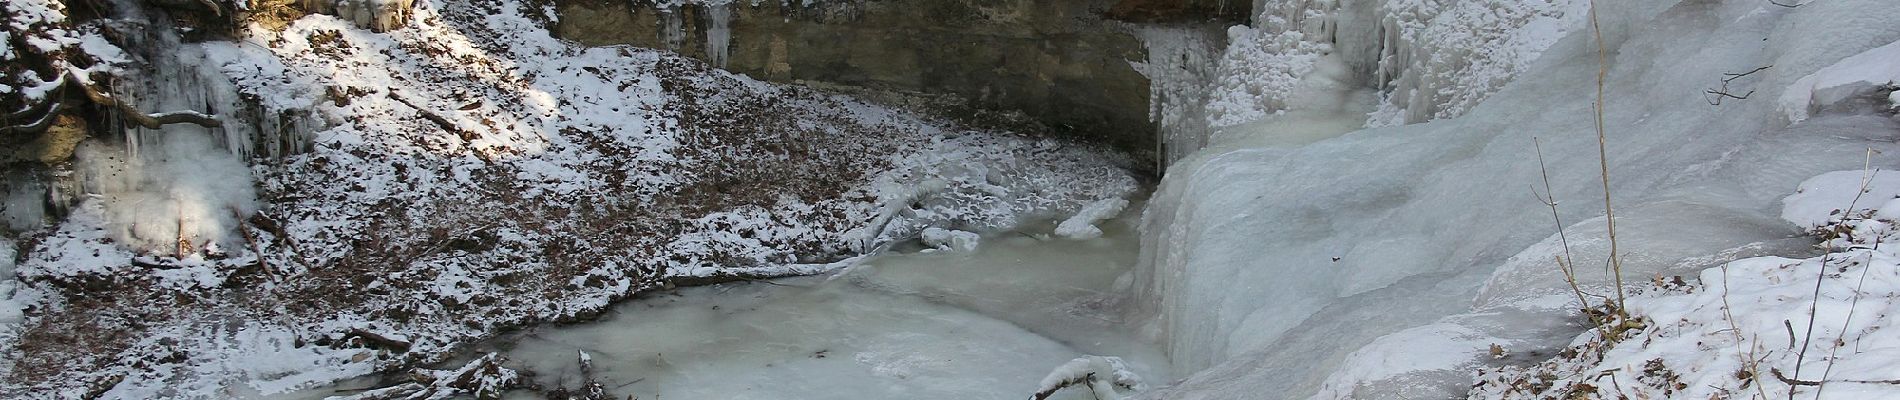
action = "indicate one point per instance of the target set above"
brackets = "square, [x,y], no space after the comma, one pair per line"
[49,111]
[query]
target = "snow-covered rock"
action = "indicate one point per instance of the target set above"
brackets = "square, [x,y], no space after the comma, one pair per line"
[375,15]
[1082,225]
[951,239]
[1876,71]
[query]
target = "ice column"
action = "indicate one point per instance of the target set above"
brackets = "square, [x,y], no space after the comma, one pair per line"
[718,33]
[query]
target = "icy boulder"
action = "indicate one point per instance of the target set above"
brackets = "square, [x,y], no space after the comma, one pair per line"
[1082,225]
[1866,73]
[375,15]
[951,239]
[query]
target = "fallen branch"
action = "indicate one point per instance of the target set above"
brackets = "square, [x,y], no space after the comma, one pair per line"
[256,248]
[147,121]
[377,340]
[268,224]
[437,119]
[1799,382]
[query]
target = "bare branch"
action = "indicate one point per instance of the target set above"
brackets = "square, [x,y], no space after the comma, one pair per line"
[1715,96]
[1798,382]
[148,121]
[50,110]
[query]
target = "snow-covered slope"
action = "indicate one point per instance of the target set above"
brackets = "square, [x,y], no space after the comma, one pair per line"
[1756,327]
[462,173]
[1277,258]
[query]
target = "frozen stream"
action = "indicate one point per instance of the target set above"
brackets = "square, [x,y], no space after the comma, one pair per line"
[986,324]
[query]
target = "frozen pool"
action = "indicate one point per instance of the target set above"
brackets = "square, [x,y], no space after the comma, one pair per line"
[987,324]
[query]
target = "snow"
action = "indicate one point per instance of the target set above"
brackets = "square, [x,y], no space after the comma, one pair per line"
[12,309]
[1400,362]
[1875,71]
[1831,197]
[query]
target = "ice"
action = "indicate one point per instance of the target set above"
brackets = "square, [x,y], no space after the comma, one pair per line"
[1270,256]
[1428,59]
[1179,69]
[932,325]
[672,28]
[718,33]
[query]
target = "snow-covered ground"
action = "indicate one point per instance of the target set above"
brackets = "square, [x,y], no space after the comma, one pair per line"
[1760,327]
[424,187]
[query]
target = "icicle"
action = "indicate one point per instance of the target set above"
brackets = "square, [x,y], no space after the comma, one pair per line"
[672,28]
[718,33]
[1179,68]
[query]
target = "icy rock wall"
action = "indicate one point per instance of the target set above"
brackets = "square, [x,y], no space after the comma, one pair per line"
[1179,67]
[1428,59]
[375,15]
[1265,264]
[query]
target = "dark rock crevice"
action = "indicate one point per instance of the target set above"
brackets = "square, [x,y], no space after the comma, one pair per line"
[1062,64]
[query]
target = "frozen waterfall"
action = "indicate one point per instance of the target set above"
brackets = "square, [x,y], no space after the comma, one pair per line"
[1289,242]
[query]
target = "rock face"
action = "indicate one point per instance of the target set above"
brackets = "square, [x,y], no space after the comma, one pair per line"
[1060,62]
[51,147]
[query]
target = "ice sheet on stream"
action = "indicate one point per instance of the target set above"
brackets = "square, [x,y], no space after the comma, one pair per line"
[917,325]
[1267,261]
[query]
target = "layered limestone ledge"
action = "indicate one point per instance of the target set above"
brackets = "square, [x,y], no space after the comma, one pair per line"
[1063,63]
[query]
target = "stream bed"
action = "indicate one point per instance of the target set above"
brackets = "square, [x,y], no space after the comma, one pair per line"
[914,324]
